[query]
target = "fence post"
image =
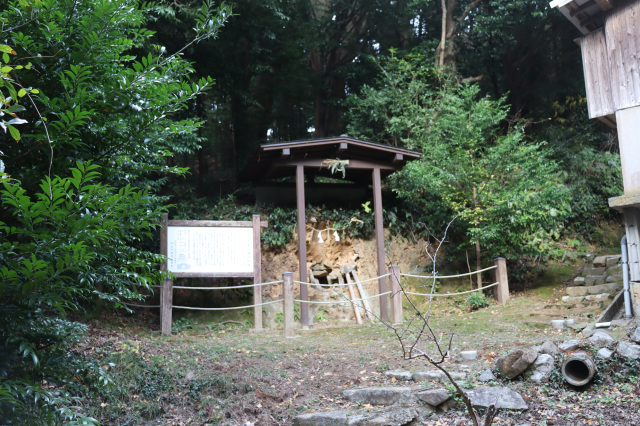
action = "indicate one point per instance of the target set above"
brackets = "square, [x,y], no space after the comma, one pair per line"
[257,274]
[166,302]
[501,291]
[166,292]
[287,305]
[396,295]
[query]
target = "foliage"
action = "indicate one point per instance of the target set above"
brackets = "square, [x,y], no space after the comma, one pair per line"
[74,228]
[505,190]
[476,300]
[591,165]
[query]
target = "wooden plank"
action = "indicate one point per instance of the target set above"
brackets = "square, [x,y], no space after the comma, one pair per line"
[622,31]
[216,223]
[352,296]
[364,296]
[257,273]
[595,63]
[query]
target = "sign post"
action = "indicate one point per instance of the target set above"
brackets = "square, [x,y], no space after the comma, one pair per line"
[210,249]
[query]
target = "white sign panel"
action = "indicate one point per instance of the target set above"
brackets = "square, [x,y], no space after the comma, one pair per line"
[209,249]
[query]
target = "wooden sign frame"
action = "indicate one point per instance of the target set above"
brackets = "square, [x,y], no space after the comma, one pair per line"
[166,295]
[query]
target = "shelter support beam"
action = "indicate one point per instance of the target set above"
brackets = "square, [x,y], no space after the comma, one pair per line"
[379,230]
[257,273]
[302,245]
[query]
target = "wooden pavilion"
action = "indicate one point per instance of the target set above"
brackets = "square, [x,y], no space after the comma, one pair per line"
[610,47]
[364,163]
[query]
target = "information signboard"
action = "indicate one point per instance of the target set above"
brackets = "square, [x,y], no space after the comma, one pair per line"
[209,250]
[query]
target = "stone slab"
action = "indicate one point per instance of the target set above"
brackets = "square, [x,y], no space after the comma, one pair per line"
[577,291]
[590,270]
[591,280]
[502,398]
[381,396]
[324,418]
[604,288]
[437,376]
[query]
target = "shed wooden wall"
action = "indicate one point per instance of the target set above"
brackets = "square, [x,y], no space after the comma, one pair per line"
[611,61]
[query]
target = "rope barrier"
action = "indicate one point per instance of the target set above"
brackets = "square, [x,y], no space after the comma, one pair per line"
[225,288]
[345,284]
[314,302]
[140,306]
[224,309]
[450,276]
[452,294]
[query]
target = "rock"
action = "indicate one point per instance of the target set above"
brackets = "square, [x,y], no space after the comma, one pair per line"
[398,417]
[321,269]
[604,288]
[591,280]
[615,270]
[324,418]
[600,339]
[569,345]
[548,347]
[513,364]
[346,269]
[502,398]
[577,291]
[596,298]
[469,355]
[578,281]
[543,367]
[572,300]
[381,396]
[628,350]
[636,335]
[399,375]
[591,270]
[616,278]
[613,260]
[486,376]
[604,353]
[437,376]
[434,397]
[600,261]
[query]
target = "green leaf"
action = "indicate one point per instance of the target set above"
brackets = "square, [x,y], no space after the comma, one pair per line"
[15,134]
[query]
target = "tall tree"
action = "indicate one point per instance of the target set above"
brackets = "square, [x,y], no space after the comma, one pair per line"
[100,113]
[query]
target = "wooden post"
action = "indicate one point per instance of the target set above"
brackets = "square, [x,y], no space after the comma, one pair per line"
[287,305]
[302,245]
[379,231]
[396,295]
[501,291]
[356,308]
[166,293]
[257,274]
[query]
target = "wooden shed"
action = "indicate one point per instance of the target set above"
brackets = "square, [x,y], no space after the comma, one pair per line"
[610,47]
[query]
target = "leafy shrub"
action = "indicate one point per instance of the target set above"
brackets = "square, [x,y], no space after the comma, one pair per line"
[476,300]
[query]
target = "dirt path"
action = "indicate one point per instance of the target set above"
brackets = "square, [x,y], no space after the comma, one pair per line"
[229,375]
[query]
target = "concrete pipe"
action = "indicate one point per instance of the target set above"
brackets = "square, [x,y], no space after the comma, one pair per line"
[578,369]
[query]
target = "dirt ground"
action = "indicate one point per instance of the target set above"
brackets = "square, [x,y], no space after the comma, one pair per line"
[211,373]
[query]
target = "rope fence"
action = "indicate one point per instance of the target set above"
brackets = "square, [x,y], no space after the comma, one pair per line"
[224,309]
[395,292]
[317,302]
[181,287]
[449,276]
[452,294]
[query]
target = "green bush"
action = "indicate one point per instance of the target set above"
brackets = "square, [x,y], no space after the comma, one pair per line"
[476,300]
